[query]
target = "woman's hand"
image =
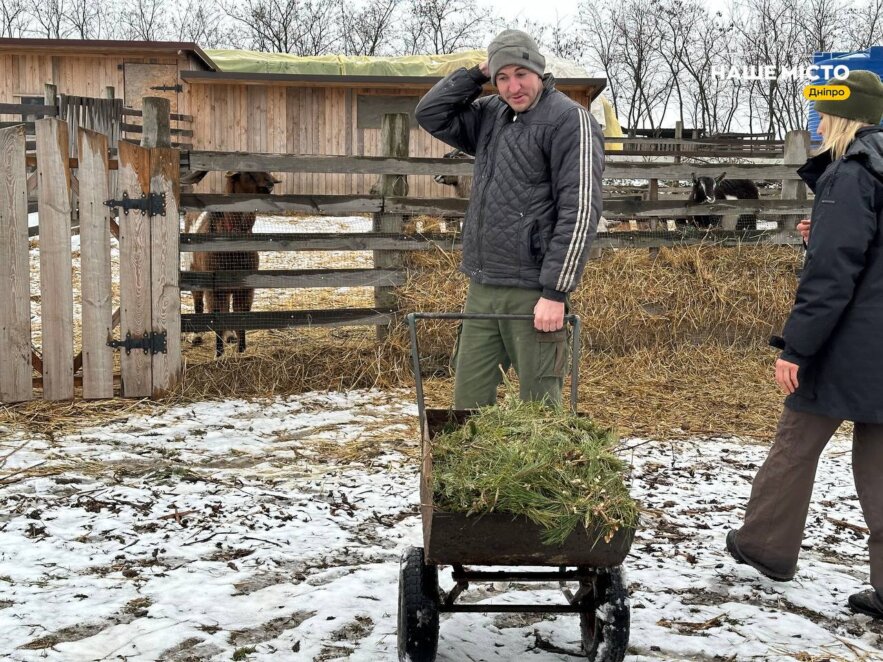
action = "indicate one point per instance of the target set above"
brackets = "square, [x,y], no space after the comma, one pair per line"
[803,228]
[786,375]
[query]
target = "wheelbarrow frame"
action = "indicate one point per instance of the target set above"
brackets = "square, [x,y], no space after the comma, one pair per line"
[459,540]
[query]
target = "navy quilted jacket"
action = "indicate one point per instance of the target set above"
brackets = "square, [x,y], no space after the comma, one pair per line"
[536,196]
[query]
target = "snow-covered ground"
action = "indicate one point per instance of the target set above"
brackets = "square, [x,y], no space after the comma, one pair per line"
[272,531]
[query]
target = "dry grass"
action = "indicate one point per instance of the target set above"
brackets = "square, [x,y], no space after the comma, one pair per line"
[673,344]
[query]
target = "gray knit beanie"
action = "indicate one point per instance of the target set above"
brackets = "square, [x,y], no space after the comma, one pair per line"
[514,47]
[865,101]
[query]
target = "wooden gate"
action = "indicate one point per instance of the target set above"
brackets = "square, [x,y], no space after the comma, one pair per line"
[145,201]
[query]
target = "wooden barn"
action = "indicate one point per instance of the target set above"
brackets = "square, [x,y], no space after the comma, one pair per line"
[287,113]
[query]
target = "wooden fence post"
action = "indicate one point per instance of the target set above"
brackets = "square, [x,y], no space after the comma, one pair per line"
[15,313]
[56,289]
[797,149]
[156,122]
[95,265]
[50,95]
[394,137]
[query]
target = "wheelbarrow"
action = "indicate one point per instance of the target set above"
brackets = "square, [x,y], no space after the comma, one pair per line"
[587,569]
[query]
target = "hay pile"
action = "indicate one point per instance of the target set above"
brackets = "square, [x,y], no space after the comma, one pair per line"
[556,469]
[674,344]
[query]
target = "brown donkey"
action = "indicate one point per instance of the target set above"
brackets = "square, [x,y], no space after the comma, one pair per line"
[219,300]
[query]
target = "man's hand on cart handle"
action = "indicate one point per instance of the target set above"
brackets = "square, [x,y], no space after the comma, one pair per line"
[548,315]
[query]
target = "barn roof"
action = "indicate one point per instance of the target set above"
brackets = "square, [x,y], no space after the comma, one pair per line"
[416,71]
[105,47]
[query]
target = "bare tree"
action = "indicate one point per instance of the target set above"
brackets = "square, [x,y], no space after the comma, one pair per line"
[48,18]
[443,26]
[629,41]
[603,50]
[143,20]
[87,19]
[366,29]
[13,18]
[769,33]
[865,25]
[564,39]
[305,27]
[822,24]
[198,22]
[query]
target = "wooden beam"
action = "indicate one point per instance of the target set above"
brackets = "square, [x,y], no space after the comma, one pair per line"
[195,323]
[157,127]
[137,128]
[27,109]
[797,150]
[274,204]
[288,278]
[455,207]
[72,163]
[178,117]
[318,241]
[381,165]
[364,241]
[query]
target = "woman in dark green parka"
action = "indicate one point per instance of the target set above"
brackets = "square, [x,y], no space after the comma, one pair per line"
[831,365]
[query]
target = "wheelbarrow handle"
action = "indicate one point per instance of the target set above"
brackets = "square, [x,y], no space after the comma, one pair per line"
[412,318]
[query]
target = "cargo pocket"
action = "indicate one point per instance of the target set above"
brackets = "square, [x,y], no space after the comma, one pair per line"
[453,363]
[552,353]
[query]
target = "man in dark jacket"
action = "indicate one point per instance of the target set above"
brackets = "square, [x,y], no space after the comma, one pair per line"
[831,365]
[532,216]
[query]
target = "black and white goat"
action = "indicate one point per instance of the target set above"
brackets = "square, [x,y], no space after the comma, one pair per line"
[708,190]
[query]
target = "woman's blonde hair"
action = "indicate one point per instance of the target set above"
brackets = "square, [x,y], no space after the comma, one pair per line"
[839,133]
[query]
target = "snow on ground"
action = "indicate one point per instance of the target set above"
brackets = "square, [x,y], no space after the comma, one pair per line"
[272,531]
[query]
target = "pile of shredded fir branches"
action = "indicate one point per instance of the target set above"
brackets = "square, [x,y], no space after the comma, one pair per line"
[557,469]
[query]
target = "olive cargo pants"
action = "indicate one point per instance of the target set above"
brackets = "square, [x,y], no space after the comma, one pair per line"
[483,346]
[780,495]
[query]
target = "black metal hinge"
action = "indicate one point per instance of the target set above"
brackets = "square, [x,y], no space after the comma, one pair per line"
[152,204]
[152,342]
[168,88]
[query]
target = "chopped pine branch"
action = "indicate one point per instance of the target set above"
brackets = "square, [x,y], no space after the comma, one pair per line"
[524,458]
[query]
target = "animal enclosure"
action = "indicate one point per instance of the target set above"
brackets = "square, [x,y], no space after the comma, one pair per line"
[302,261]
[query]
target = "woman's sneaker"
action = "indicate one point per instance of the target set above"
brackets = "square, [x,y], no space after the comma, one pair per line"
[867,602]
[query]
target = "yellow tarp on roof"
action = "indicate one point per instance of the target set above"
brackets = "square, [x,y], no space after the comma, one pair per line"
[343,65]
[413,65]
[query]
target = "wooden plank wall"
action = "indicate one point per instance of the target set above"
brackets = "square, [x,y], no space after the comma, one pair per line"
[79,75]
[303,120]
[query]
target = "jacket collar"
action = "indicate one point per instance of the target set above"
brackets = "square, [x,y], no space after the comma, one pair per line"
[867,147]
[812,170]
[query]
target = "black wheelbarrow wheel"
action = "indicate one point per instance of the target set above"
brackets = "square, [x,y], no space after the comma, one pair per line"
[605,621]
[418,608]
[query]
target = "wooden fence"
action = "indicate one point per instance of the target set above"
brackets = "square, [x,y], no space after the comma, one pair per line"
[149,311]
[393,205]
[149,316]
